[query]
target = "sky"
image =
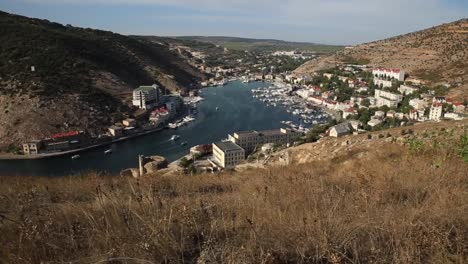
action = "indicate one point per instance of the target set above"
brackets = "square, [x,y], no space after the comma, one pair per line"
[343,22]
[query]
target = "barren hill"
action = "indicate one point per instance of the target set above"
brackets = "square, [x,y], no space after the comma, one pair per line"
[347,200]
[56,78]
[438,54]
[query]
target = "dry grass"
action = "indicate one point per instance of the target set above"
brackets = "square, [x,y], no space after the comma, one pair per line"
[400,207]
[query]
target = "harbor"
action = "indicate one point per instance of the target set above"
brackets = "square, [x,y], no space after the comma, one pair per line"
[223,110]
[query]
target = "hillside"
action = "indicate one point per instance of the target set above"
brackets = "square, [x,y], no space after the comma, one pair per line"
[262,44]
[396,196]
[82,76]
[438,54]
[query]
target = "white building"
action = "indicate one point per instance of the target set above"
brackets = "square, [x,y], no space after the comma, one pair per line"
[249,140]
[453,116]
[374,122]
[146,97]
[304,93]
[406,90]
[418,104]
[227,154]
[436,111]
[387,98]
[392,73]
[383,83]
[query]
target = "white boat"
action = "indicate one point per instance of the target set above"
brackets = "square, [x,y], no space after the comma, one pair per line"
[217,108]
[74,157]
[109,151]
[175,137]
[183,143]
[172,125]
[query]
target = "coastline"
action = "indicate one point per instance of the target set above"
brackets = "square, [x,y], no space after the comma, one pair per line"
[74,151]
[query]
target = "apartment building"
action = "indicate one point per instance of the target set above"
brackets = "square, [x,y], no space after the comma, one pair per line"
[33,147]
[436,112]
[227,154]
[406,89]
[249,140]
[387,98]
[392,73]
[146,97]
[383,83]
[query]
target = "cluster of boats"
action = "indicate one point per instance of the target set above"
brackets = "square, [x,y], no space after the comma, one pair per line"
[182,122]
[282,96]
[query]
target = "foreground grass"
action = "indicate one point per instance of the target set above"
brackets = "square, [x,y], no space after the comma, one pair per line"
[402,206]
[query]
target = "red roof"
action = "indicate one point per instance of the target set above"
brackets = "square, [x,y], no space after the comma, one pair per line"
[65,134]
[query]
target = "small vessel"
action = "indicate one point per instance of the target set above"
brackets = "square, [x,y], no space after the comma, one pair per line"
[109,151]
[183,143]
[172,125]
[74,157]
[175,137]
[217,108]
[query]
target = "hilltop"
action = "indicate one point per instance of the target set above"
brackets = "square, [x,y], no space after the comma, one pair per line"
[396,196]
[82,77]
[262,44]
[438,55]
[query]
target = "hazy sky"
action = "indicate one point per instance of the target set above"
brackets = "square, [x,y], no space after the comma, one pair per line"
[320,21]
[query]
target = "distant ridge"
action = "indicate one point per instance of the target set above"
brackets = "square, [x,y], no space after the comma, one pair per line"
[240,43]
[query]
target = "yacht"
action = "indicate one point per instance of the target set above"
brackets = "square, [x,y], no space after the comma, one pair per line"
[74,157]
[109,151]
[175,137]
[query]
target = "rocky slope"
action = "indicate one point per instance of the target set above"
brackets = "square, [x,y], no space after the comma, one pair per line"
[81,79]
[389,199]
[438,54]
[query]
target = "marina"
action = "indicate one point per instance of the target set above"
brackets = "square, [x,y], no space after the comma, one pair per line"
[237,111]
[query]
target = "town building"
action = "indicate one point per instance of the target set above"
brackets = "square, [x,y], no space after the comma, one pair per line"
[418,104]
[227,154]
[387,98]
[374,122]
[32,147]
[436,112]
[391,73]
[115,131]
[349,112]
[249,140]
[146,97]
[383,83]
[129,122]
[407,90]
[340,130]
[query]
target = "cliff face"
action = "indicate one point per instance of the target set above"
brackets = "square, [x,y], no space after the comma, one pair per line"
[438,54]
[55,77]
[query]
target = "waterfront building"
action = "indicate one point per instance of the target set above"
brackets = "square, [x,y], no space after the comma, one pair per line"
[146,97]
[227,154]
[115,131]
[250,140]
[436,112]
[32,147]
[387,98]
[129,122]
[391,73]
